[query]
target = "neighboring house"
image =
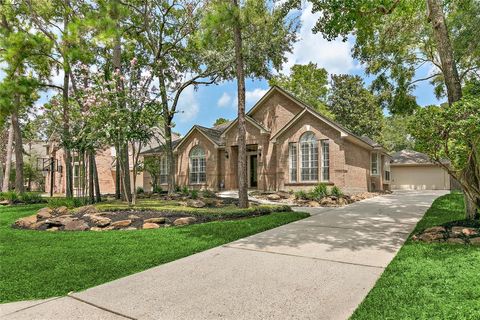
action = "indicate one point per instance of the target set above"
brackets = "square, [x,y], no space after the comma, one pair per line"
[105,160]
[289,146]
[412,170]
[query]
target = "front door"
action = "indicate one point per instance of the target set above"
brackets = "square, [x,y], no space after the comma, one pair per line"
[253,171]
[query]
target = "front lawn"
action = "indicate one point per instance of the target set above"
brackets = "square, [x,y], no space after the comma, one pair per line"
[429,280]
[41,264]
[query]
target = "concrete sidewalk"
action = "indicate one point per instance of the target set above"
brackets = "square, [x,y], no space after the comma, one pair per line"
[317,268]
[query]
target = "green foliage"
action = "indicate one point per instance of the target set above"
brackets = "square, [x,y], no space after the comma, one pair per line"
[194,194]
[67,202]
[308,83]
[25,198]
[320,191]
[208,193]
[10,196]
[220,121]
[300,195]
[110,255]
[157,189]
[355,107]
[396,135]
[336,191]
[140,190]
[185,191]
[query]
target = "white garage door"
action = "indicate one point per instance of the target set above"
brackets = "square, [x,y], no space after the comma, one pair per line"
[420,178]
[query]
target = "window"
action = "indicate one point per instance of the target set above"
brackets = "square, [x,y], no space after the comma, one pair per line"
[375,164]
[163,170]
[325,161]
[197,165]
[292,152]
[387,170]
[309,157]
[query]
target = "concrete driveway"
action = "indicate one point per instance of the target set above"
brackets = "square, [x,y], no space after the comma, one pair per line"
[321,267]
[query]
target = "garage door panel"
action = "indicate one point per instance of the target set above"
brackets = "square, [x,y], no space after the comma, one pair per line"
[420,178]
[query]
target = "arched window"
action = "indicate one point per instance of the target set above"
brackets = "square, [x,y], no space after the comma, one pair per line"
[197,165]
[309,157]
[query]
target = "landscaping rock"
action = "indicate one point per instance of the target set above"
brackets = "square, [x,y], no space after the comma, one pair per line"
[121,223]
[195,203]
[76,225]
[133,217]
[59,221]
[456,232]
[26,222]
[100,221]
[96,229]
[342,202]
[455,240]
[60,211]
[273,197]
[327,201]
[475,241]
[150,225]
[158,220]
[468,232]
[184,221]
[90,210]
[4,203]
[53,229]
[313,204]
[435,230]
[44,213]
[431,237]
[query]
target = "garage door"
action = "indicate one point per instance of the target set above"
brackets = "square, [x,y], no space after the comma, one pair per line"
[419,178]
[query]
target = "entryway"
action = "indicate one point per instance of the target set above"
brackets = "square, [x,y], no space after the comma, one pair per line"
[252,170]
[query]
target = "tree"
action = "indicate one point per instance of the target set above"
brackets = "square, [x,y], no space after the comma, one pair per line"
[355,107]
[307,82]
[152,166]
[248,39]
[220,121]
[396,133]
[394,40]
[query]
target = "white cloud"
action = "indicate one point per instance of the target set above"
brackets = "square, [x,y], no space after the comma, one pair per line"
[251,97]
[335,56]
[224,100]
[188,105]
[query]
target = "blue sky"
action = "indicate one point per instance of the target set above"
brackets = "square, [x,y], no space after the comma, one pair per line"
[208,103]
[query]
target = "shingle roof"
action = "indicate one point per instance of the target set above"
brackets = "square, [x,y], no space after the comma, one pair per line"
[410,157]
[215,133]
[161,148]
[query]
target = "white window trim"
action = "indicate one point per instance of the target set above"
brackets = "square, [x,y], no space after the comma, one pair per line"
[199,172]
[322,163]
[309,160]
[377,164]
[291,160]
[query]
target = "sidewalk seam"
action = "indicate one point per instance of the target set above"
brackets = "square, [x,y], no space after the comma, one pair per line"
[34,305]
[100,307]
[298,256]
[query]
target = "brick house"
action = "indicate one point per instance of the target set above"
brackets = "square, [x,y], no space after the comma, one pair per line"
[289,146]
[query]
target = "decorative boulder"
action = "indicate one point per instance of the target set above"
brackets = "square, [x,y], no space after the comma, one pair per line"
[133,217]
[468,232]
[150,225]
[121,223]
[90,210]
[76,225]
[455,240]
[475,241]
[184,221]
[26,222]
[44,213]
[158,220]
[195,203]
[59,221]
[274,197]
[435,230]
[313,204]
[100,221]
[60,211]
[4,203]
[327,201]
[342,202]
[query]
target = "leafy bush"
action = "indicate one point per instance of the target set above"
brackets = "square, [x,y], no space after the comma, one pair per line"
[185,191]
[193,194]
[208,194]
[67,202]
[10,196]
[177,188]
[31,197]
[157,189]
[336,192]
[140,190]
[319,192]
[301,195]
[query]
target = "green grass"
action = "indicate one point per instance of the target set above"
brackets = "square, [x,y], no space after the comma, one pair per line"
[429,280]
[40,264]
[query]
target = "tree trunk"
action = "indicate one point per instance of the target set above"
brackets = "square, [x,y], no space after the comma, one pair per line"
[17,137]
[126,173]
[8,160]
[98,195]
[436,17]
[471,207]
[117,173]
[170,158]
[242,147]
[91,176]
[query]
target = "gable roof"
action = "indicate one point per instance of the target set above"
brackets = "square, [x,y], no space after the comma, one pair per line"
[161,148]
[254,122]
[411,157]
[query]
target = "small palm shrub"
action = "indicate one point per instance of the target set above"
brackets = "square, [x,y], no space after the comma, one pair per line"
[31,197]
[157,189]
[336,192]
[67,202]
[320,191]
[208,194]
[194,194]
[10,196]
[140,190]
[301,195]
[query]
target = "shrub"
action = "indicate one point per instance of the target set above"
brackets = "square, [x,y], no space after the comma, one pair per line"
[177,188]
[320,191]
[10,196]
[193,194]
[185,191]
[140,190]
[336,192]
[67,202]
[31,197]
[301,195]
[157,189]
[208,194]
